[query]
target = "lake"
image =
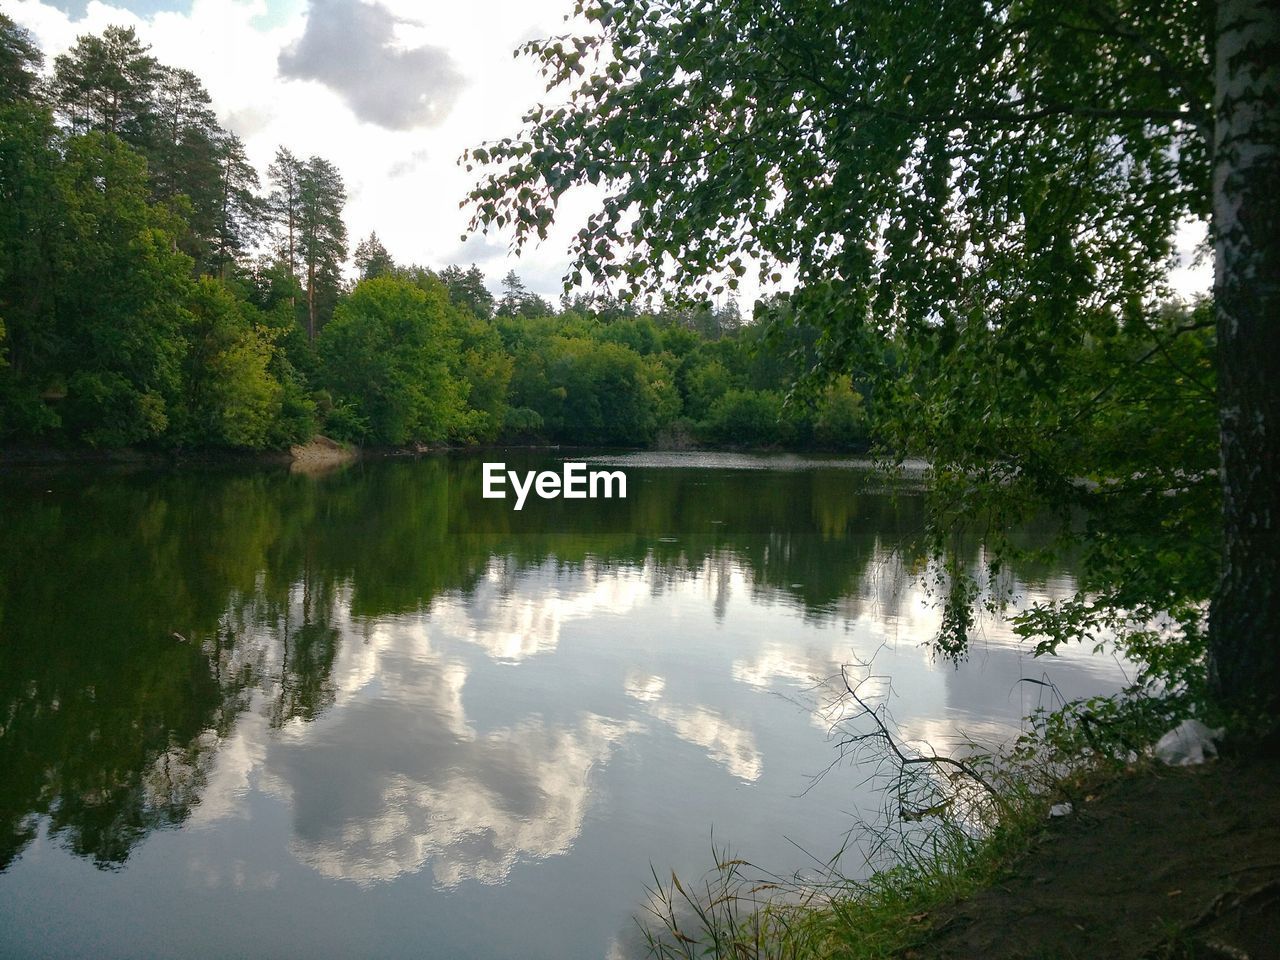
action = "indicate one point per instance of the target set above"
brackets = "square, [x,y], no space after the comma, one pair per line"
[250,713]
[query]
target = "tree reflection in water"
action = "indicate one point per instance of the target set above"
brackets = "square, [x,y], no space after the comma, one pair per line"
[147,620]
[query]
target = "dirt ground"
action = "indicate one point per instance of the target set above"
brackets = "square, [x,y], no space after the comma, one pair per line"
[1170,863]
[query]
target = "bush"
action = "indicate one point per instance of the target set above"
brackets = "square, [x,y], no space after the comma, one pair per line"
[747,418]
[344,422]
[839,421]
[521,423]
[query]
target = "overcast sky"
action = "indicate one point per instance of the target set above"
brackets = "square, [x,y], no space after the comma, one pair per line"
[390,91]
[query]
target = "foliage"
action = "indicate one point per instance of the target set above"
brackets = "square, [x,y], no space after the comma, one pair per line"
[977,204]
[372,258]
[516,301]
[839,420]
[232,399]
[749,417]
[20,62]
[153,291]
[321,237]
[121,297]
[467,290]
[385,353]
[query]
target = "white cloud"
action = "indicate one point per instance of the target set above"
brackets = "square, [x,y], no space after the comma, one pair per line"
[351,47]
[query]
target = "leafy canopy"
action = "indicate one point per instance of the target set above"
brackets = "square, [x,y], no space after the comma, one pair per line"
[914,162]
[977,202]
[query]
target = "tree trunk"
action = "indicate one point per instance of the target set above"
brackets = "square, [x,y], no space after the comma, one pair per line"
[311,302]
[1244,638]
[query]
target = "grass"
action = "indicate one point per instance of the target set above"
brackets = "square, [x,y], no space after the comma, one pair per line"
[738,913]
[950,828]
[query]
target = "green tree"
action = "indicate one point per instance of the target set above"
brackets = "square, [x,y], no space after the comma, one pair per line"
[20,62]
[305,206]
[467,289]
[31,220]
[239,216]
[231,396]
[322,237]
[372,259]
[385,355]
[519,301]
[107,83]
[120,292]
[705,383]
[838,418]
[585,391]
[285,207]
[744,418]
[987,194]
[184,158]
[484,366]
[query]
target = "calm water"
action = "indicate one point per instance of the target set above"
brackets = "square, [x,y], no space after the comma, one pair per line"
[244,713]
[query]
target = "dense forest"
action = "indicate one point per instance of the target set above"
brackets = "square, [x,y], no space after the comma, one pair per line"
[155,291]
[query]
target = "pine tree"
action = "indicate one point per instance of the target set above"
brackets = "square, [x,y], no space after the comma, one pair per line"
[467,289]
[284,206]
[372,259]
[240,210]
[322,237]
[107,83]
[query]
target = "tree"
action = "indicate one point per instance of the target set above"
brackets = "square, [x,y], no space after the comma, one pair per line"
[107,83]
[982,197]
[31,217]
[745,417]
[384,356]
[467,289]
[285,206]
[513,297]
[184,130]
[518,301]
[306,206]
[20,62]
[120,294]
[1245,619]
[240,210]
[231,398]
[184,158]
[322,236]
[372,259]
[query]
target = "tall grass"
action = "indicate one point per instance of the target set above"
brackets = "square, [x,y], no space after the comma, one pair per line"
[948,827]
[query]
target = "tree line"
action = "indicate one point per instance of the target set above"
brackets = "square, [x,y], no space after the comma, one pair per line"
[978,202]
[155,291]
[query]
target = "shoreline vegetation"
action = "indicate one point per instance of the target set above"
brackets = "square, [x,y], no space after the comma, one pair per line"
[1062,844]
[1147,862]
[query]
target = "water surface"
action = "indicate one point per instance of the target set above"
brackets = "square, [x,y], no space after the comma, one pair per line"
[244,712]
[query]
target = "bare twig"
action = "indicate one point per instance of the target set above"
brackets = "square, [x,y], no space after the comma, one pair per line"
[904,759]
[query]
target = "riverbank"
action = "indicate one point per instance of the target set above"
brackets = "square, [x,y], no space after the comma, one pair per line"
[1160,862]
[1150,863]
[322,449]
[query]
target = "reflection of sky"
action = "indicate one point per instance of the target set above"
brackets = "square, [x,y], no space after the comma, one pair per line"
[405,772]
[558,728]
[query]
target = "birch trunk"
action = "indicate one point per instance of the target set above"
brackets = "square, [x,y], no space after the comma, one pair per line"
[1244,640]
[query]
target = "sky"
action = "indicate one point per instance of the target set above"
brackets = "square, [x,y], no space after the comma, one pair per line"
[391,92]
